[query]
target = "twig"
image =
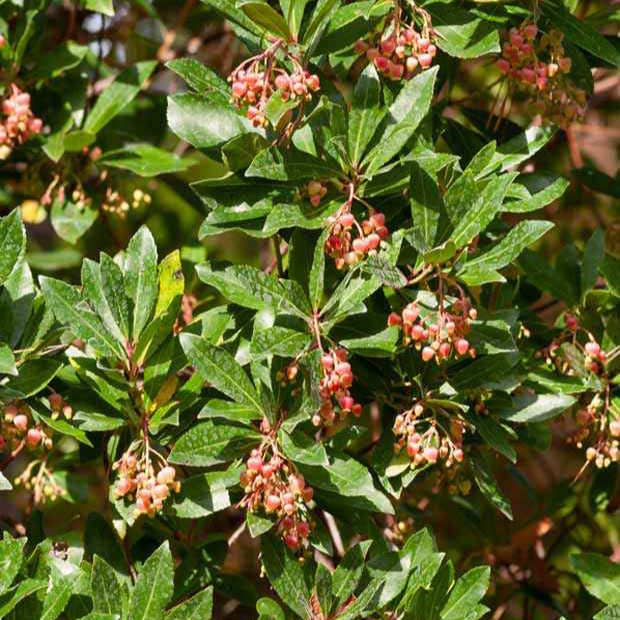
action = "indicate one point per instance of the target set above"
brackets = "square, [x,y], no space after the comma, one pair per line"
[334,532]
[164,52]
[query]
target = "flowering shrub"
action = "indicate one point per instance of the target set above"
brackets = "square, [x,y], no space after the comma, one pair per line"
[266,328]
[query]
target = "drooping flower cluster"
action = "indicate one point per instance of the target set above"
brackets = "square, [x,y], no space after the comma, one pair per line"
[401,50]
[334,389]
[116,204]
[19,122]
[59,405]
[315,191]
[255,80]
[424,439]
[596,426]
[346,250]
[538,64]
[138,481]
[19,426]
[273,486]
[594,357]
[438,336]
[39,479]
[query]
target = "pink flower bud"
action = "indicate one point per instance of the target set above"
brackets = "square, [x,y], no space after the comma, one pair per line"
[272,503]
[356,410]
[503,65]
[614,428]
[462,346]
[33,437]
[394,320]
[592,349]
[411,64]
[444,349]
[430,454]
[428,353]
[373,240]
[530,31]
[425,60]
[21,422]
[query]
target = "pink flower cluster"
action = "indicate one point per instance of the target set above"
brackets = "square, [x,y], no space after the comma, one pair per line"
[401,50]
[439,338]
[137,479]
[19,123]
[18,425]
[427,447]
[538,63]
[257,79]
[271,485]
[336,399]
[343,248]
[315,190]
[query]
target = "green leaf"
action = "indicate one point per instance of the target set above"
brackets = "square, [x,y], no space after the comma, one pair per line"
[200,77]
[581,33]
[60,59]
[508,249]
[316,279]
[5,485]
[113,287]
[94,291]
[347,575]
[198,607]
[250,287]
[545,277]
[462,33]
[12,243]
[258,524]
[118,95]
[294,16]
[488,485]
[212,442]
[520,148]
[7,361]
[100,6]
[608,613]
[319,21]
[349,478]
[145,160]
[153,588]
[538,200]
[221,370]
[593,255]
[349,296]
[404,115]
[11,557]
[279,341]
[466,594]
[366,113]
[105,588]
[205,494]
[529,408]
[58,594]
[426,207]
[265,16]
[70,311]
[494,434]
[482,211]
[268,608]
[599,575]
[382,344]
[392,570]
[291,165]
[141,278]
[71,221]
[9,600]
[302,448]
[234,412]
[204,122]
[285,574]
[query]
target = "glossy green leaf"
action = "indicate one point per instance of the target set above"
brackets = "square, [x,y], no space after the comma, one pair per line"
[118,95]
[198,607]
[265,16]
[153,589]
[212,442]
[220,369]
[599,575]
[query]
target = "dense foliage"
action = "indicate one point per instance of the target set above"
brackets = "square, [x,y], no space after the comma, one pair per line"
[269,323]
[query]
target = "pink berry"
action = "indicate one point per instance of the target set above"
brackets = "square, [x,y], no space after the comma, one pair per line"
[503,65]
[394,320]
[530,31]
[411,64]
[444,349]
[592,349]
[272,503]
[430,454]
